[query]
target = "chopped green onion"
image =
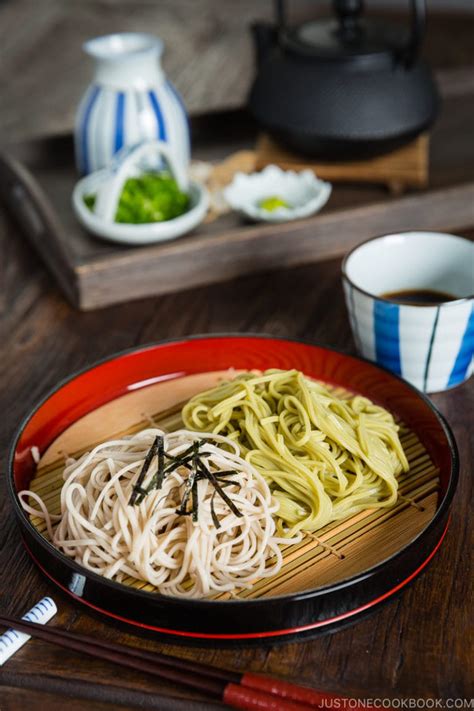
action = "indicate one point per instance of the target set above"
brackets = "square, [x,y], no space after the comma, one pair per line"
[153,197]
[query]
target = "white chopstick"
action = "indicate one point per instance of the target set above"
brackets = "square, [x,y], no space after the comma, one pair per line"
[11,640]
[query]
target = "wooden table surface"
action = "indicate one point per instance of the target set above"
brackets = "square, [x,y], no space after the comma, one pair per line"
[417,645]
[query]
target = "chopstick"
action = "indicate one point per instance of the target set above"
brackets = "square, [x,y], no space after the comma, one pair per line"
[242,691]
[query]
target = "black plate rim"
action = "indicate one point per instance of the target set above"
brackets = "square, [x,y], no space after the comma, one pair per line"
[203,602]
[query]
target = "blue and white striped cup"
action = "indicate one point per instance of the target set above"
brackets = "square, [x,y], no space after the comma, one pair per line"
[430,346]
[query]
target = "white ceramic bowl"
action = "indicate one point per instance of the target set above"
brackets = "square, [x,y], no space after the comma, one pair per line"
[137,234]
[107,185]
[431,346]
[304,192]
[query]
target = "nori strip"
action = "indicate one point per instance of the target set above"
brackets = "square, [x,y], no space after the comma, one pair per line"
[191,460]
[215,520]
[161,463]
[212,478]
[190,483]
[195,509]
[146,465]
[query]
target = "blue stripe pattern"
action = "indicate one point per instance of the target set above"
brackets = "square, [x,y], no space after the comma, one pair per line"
[85,163]
[465,354]
[387,335]
[430,350]
[119,121]
[353,315]
[159,116]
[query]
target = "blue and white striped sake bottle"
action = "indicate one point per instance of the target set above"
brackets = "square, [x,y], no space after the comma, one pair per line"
[129,101]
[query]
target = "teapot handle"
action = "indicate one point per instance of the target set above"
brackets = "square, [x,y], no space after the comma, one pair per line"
[418,24]
[280,15]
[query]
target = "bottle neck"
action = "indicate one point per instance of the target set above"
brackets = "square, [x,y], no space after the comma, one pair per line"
[140,71]
[126,59]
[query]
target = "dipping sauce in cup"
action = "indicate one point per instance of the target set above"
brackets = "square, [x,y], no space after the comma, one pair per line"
[410,302]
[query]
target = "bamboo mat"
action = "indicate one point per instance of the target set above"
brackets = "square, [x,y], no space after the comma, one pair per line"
[338,551]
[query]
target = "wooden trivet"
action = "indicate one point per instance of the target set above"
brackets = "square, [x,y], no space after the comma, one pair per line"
[406,167]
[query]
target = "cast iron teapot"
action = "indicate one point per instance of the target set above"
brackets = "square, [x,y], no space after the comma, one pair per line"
[342,88]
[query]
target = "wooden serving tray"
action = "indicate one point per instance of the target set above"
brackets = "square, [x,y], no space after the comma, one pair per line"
[36,181]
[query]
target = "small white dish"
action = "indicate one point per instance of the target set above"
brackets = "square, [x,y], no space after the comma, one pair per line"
[304,192]
[107,185]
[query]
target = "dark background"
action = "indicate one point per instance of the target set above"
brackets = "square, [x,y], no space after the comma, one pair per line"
[208,54]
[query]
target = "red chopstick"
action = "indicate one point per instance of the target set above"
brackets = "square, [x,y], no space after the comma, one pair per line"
[242,691]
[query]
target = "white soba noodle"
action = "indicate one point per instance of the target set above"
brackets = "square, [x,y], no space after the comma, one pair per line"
[149,540]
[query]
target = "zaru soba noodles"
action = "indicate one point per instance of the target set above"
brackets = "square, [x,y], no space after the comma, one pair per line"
[325,458]
[175,510]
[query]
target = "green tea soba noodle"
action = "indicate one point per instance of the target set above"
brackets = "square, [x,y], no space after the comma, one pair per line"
[324,457]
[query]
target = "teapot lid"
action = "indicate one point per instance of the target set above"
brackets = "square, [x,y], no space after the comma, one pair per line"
[349,38]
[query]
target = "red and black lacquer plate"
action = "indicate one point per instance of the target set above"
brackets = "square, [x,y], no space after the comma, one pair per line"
[264,619]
